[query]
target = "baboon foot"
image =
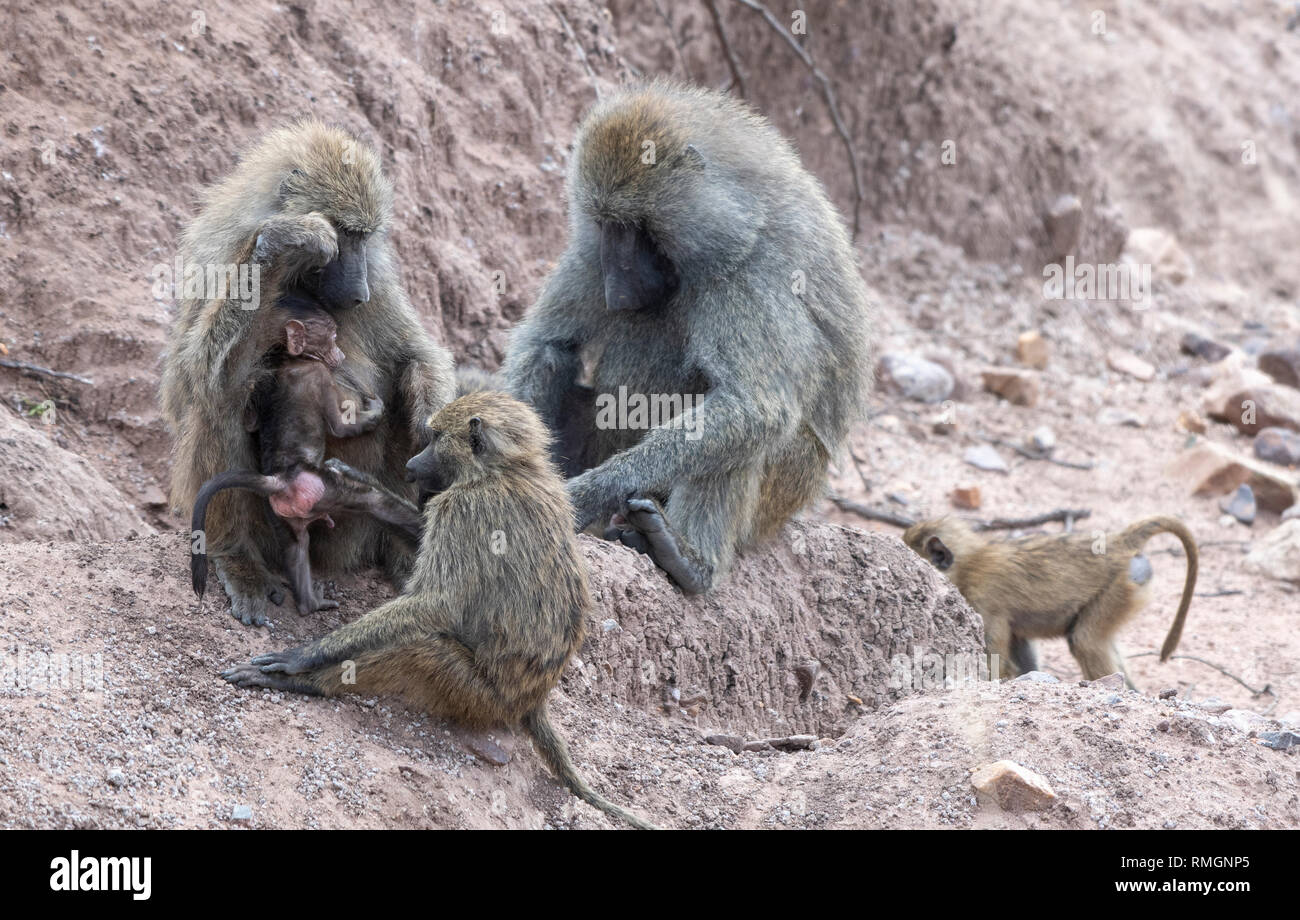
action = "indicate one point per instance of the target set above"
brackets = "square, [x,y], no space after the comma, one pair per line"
[481,745]
[251,677]
[289,661]
[248,593]
[646,521]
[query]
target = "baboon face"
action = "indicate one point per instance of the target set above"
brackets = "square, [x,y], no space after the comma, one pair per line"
[638,276]
[926,541]
[474,436]
[314,337]
[343,283]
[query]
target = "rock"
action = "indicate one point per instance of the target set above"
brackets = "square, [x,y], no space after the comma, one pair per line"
[984,457]
[967,497]
[1114,415]
[1243,720]
[1037,677]
[1202,347]
[1064,220]
[1241,504]
[1282,366]
[791,742]
[1110,681]
[755,747]
[1127,363]
[1159,249]
[1015,788]
[1190,420]
[116,778]
[241,813]
[1017,387]
[734,742]
[1279,741]
[913,377]
[1277,553]
[1212,469]
[1250,400]
[1278,445]
[1168,693]
[1042,439]
[1032,350]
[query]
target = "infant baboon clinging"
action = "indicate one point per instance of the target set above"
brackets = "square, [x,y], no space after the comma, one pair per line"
[494,607]
[705,268]
[1082,587]
[293,408]
[310,208]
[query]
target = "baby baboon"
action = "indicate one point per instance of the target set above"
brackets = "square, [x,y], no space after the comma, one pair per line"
[494,607]
[308,207]
[1082,587]
[293,409]
[707,273]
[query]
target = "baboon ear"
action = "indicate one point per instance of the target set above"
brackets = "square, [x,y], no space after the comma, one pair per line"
[939,554]
[295,337]
[476,435]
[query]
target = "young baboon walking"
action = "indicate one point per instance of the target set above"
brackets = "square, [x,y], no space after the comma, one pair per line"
[494,607]
[308,207]
[1082,587]
[705,265]
[292,410]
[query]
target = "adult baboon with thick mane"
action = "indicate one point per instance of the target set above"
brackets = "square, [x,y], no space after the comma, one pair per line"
[707,266]
[309,207]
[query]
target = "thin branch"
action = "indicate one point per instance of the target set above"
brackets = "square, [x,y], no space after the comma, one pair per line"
[1266,689]
[828,94]
[1226,592]
[672,33]
[582,52]
[38,371]
[732,61]
[1036,455]
[871,514]
[1066,516]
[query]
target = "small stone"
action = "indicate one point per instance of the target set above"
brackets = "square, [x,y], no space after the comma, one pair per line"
[1168,693]
[1020,388]
[984,457]
[1190,421]
[1160,250]
[1162,725]
[241,813]
[733,742]
[913,377]
[756,746]
[1015,788]
[1213,705]
[1124,362]
[966,497]
[1113,415]
[1241,504]
[1282,366]
[1037,677]
[1202,347]
[1032,350]
[1042,439]
[1277,553]
[116,778]
[1213,469]
[1114,681]
[792,742]
[1064,221]
[1243,720]
[1278,445]
[1279,741]
[610,626]
[1250,400]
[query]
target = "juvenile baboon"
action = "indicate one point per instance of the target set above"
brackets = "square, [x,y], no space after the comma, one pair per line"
[293,409]
[309,207]
[1082,587]
[494,607]
[704,265]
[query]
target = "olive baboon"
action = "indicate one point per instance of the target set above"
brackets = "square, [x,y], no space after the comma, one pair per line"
[1082,587]
[494,608]
[292,410]
[308,207]
[707,270]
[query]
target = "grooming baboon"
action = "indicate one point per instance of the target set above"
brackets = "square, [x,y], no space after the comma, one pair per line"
[704,263]
[309,207]
[1082,587]
[494,607]
[292,409]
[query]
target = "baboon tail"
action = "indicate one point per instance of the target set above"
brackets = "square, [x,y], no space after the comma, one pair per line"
[553,750]
[235,479]
[1136,536]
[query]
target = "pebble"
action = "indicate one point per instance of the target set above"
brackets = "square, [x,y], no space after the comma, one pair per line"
[984,457]
[1241,504]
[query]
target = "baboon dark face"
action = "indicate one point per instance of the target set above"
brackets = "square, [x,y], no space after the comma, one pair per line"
[343,283]
[638,276]
[427,468]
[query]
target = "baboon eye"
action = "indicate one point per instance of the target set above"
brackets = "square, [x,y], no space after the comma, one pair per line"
[476,435]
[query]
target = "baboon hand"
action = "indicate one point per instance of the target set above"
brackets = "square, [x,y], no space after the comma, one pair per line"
[308,239]
[290,661]
[594,498]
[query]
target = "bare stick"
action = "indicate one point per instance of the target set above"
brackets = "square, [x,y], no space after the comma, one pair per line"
[672,33]
[871,514]
[1036,455]
[828,94]
[732,61]
[1226,592]
[1064,515]
[582,52]
[1266,689]
[857,464]
[37,370]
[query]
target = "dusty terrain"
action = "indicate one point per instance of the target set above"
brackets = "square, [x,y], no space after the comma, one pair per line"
[1177,116]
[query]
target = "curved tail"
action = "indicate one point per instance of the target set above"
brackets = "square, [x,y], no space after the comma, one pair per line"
[235,479]
[552,748]
[1136,535]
